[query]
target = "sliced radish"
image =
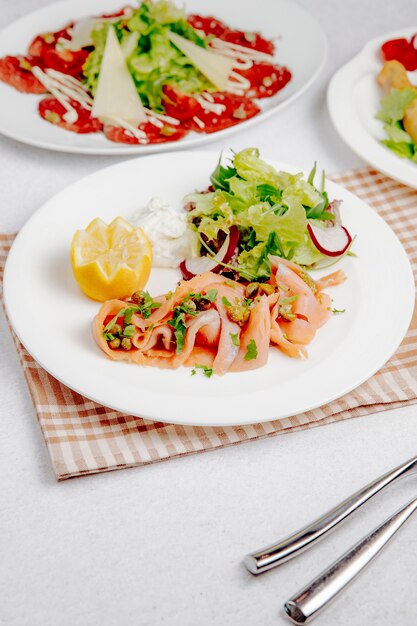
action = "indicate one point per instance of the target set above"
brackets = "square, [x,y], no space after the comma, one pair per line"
[193,267]
[330,241]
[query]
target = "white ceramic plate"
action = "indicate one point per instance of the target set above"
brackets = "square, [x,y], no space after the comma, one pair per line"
[53,318]
[353,99]
[302,47]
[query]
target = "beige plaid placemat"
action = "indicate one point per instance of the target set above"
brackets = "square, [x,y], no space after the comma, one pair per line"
[83,437]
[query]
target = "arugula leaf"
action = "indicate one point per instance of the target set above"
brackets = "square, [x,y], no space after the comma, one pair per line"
[269,193]
[226,302]
[312,174]
[219,178]
[251,351]
[235,339]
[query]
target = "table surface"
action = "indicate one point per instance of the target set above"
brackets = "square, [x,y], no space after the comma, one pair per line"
[163,544]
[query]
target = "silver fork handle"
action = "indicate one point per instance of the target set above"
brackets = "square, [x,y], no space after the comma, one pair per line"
[315,596]
[288,548]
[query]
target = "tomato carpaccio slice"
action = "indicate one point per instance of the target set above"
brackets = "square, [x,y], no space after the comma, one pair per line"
[47,41]
[212,26]
[66,61]
[154,134]
[265,79]
[195,116]
[16,72]
[53,111]
[208,24]
[45,54]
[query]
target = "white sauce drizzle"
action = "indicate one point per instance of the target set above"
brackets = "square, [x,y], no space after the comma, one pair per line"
[129,129]
[242,53]
[64,88]
[199,122]
[163,118]
[207,103]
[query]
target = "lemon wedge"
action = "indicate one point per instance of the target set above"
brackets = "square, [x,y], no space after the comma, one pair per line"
[111,261]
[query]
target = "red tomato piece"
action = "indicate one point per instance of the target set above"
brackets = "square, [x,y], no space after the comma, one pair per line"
[265,79]
[66,61]
[401,50]
[154,134]
[53,111]
[195,117]
[251,40]
[209,25]
[16,72]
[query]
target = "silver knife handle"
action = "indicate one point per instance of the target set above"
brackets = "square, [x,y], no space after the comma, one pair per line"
[305,604]
[288,548]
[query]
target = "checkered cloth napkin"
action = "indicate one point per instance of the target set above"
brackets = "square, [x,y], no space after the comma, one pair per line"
[83,437]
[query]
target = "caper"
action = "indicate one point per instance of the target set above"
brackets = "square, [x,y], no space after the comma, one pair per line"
[252,290]
[126,343]
[238,313]
[202,305]
[138,297]
[190,305]
[116,329]
[266,288]
[114,343]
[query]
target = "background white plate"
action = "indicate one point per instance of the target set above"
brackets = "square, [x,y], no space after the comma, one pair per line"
[53,319]
[302,47]
[353,99]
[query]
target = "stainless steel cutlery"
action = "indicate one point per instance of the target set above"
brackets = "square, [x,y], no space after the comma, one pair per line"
[305,604]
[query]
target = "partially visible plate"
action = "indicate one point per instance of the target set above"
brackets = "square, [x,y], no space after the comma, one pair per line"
[53,318]
[353,99]
[302,47]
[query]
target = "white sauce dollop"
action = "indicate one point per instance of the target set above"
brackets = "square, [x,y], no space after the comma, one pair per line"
[166,227]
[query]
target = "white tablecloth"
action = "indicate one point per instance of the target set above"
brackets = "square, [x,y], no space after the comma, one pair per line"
[163,544]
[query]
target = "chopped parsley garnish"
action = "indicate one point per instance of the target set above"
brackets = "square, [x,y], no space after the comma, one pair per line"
[148,305]
[211,295]
[235,339]
[337,311]
[207,371]
[145,309]
[251,351]
[226,302]
[178,321]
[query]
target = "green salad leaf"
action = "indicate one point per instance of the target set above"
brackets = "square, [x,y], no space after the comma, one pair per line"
[270,208]
[393,107]
[151,57]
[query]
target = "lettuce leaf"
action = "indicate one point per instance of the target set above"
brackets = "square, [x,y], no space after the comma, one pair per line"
[394,105]
[152,59]
[270,208]
[392,111]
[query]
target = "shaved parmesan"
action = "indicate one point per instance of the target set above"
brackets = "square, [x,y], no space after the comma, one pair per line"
[216,67]
[81,33]
[116,95]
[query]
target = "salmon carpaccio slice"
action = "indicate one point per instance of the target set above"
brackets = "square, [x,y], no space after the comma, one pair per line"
[210,334]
